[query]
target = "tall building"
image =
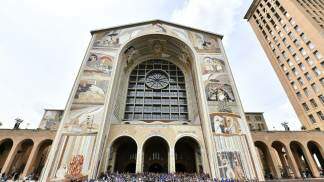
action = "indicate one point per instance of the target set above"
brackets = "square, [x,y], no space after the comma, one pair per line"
[153,97]
[292,35]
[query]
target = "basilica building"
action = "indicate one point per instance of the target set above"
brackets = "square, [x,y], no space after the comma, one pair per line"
[154,97]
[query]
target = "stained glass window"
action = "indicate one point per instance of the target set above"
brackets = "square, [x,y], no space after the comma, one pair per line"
[156,91]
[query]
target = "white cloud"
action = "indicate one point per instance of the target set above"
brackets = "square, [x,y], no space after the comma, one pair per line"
[214,15]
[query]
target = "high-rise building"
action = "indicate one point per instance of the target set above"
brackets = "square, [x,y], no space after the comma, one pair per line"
[292,35]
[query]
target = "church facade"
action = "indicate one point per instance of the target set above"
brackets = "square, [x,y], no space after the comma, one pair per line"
[153,97]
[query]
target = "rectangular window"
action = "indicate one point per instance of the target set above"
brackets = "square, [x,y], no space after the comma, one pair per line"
[311,118]
[315,88]
[288,76]
[317,71]
[320,115]
[318,55]
[291,49]
[306,92]
[294,70]
[258,118]
[296,57]
[321,98]
[297,28]
[299,95]
[290,63]
[303,52]
[308,77]
[305,106]
[310,45]
[294,85]
[300,81]
[302,66]
[303,36]
[284,67]
[314,104]
[310,61]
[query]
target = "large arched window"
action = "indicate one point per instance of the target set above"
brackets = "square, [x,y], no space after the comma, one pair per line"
[156,91]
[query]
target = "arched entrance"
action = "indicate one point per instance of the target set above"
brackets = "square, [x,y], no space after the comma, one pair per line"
[5,148]
[123,155]
[317,153]
[156,151]
[266,161]
[187,155]
[300,158]
[286,170]
[21,157]
[43,151]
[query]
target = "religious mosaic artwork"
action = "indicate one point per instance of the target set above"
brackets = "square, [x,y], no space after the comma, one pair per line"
[51,119]
[212,65]
[205,43]
[230,165]
[225,124]
[100,64]
[84,118]
[108,39]
[75,166]
[91,91]
[75,161]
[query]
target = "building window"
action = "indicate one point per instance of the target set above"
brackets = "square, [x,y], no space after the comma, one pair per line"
[303,52]
[318,55]
[310,45]
[299,96]
[321,98]
[308,77]
[288,76]
[311,118]
[296,57]
[303,36]
[258,118]
[320,115]
[297,28]
[294,70]
[300,81]
[315,88]
[314,104]
[156,91]
[310,61]
[317,71]
[290,63]
[305,106]
[294,85]
[306,92]
[302,66]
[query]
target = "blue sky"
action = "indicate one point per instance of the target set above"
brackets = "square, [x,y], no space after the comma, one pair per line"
[42,43]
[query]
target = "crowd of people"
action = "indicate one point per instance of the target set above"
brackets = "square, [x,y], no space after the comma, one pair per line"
[159,177]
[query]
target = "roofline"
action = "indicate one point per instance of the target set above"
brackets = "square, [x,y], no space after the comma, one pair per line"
[54,109]
[152,21]
[251,9]
[253,112]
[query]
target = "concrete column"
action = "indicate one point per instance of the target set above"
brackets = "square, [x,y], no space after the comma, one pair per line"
[275,163]
[113,160]
[311,163]
[292,163]
[31,160]
[10,158]
[171,161]
[139,159]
